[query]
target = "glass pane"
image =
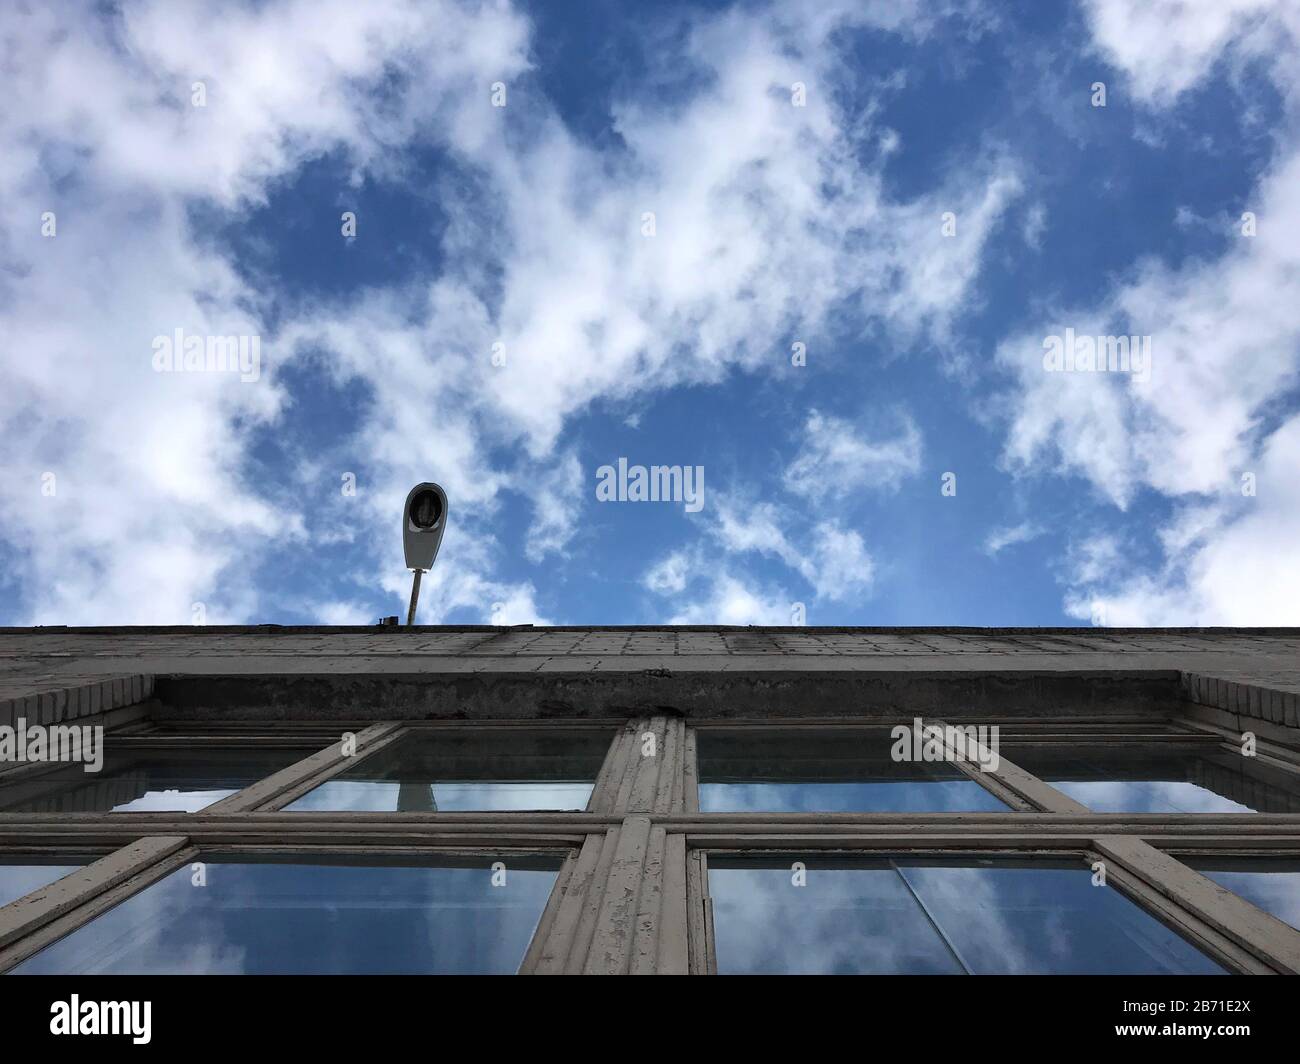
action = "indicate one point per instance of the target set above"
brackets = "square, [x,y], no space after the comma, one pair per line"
[1162,780]
[23,874]
[153,780]
[316,916]
[911,916]
[850,917]
[1270,883]
[453,771]
[827,770]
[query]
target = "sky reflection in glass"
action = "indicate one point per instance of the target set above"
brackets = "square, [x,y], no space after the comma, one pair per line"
[827,771]
[1270,884]
[319,916]
[22,875]
[138,780]
[461,771]
[1155,780]
[877,916]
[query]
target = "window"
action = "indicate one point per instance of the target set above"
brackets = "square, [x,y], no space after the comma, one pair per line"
[1269,883]
[655,843]
[313,915]
[1157,779]
[916,916]
[449,770]
[827,770]
[146,779]
[22,874]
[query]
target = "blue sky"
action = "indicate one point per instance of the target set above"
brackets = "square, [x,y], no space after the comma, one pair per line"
[592,231]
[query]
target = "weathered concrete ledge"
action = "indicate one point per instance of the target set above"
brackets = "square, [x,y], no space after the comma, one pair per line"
[562,695]
[267,672]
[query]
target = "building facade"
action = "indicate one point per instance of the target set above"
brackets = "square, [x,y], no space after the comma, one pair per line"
[649,801]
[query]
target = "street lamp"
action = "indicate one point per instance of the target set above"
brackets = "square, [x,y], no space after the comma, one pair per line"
[423,519]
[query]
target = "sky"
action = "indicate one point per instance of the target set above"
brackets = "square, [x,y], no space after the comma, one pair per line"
[827,258]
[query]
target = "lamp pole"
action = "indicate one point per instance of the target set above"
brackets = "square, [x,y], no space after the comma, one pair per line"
[415,596]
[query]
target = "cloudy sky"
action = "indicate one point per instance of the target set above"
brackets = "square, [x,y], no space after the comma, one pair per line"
[819,250]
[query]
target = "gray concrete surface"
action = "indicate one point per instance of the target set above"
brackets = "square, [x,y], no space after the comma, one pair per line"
[399,673]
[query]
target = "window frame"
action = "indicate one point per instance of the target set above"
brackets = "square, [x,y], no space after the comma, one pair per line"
[643,836]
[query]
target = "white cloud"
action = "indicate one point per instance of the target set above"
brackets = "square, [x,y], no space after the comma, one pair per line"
[668,576]
[1225,340]
[558,496]
[1033,226]
[832,559]
[767,221]
[1236,562]
[517,606]
[284,83]
[730,600]
[1167,46]
[764,221]
[1001,538]
[1225,343]
[345,613]
[153,510]
[838,457]
[839,567]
